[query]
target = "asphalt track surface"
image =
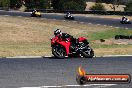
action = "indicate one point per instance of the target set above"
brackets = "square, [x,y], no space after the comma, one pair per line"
[92,20]
[52,72]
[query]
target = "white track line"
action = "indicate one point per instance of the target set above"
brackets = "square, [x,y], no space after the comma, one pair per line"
[117,27]
[74,21]
[98,24]
[81,22]
[19,16]
[54,19]
[97,86]
[32,87]
[89,23]
[6,15]
[25,57]
[52,56]
[116,55]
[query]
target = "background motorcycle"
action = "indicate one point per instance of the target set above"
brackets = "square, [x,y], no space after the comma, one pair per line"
[35,14]
[64,47]
[70,17]
[125,22]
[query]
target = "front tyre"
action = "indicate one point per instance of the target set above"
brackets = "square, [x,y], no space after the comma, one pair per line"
[38,15]
[88,53]
[58,51]
[129,22]
[73,18]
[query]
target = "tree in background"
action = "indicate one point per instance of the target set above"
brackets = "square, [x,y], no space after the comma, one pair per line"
[99,1]
[129,7]
[114,3]
[5,4]
[38,4]
[55,4]
[98,6]
[30,4]
[69,4]
[0,3]
[14,4]
[46,4]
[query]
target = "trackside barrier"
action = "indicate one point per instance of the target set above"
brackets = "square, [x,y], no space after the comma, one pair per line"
[123,37]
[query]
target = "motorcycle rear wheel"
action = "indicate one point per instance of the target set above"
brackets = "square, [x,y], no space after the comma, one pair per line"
[58,51]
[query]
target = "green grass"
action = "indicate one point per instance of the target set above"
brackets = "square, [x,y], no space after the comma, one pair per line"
[109,34]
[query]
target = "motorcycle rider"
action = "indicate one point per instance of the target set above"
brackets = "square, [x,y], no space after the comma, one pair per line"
[34,11]
[65,36]
[68,14]
[58,33]
[124,19]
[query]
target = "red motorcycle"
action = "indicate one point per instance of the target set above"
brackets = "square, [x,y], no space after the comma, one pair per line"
[62,47]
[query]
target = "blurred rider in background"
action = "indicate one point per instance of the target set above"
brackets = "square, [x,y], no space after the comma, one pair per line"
[124,18]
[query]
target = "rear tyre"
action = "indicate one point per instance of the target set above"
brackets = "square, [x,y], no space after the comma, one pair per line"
[58,51]
[129,22]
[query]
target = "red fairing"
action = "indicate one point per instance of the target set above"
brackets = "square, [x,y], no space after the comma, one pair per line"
[53,40]
[81,39]
[64,43]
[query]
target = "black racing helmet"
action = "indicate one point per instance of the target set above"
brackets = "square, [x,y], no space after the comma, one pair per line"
[57,31]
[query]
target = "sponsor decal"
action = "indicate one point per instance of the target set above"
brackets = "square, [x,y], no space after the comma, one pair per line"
[83,77]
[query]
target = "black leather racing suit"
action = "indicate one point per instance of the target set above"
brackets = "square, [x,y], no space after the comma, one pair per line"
[73,40]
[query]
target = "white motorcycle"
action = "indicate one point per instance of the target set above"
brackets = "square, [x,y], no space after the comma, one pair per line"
[126,21]
[69,16]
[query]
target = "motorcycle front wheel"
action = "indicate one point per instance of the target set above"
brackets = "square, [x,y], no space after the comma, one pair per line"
[89,53]
[38,15]
[58,51]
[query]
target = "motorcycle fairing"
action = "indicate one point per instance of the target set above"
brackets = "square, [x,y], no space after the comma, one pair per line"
[81,39]
[65,44]
[37,13]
